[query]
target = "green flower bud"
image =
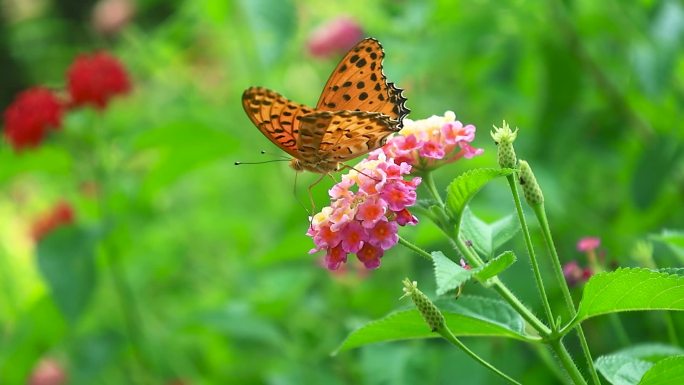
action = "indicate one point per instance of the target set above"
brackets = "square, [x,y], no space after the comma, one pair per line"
[428,310]
[503,138]
[531,190]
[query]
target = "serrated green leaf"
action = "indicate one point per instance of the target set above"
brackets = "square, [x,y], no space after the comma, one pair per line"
[466,185]
[631,289]
[66,258]
[664,372]
[467,316]
[628,365]
[448,274]
[495,266]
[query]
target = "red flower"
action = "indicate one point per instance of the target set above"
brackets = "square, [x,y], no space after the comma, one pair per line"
[30,116]
[94,79]
[61,214]
[334,37]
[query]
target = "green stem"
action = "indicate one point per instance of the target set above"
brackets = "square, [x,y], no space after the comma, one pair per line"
[566,361]
[429,182]
[560,280]
[122,289]
[506,294]
[415,248]
[449,336]
[530,252]
[671,329]
[619,329]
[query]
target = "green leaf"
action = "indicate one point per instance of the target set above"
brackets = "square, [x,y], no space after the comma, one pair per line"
[467,316]
[487,238]
[631,289]
[466,185]
[665,372]
[449,275]
[66,258]
[674,240]
[502,262]
[628,365]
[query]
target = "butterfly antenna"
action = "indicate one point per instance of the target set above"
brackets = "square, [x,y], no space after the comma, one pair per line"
[280,156]
[360,172]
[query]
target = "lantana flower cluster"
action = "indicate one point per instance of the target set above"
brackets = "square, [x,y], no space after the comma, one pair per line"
[433,142]
[372,200]
[367,206]
[92,80]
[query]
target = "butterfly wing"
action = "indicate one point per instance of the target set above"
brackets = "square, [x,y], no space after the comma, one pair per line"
[275,116]
[339,136]
[358,83]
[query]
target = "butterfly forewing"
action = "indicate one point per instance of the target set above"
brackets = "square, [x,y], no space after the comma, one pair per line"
[275,116]
[358,83]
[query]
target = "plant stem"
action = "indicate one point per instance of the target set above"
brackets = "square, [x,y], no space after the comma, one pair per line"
[122,289]
[415,248]
[530,252]
[507,295]
[619,329]
[566,361]
[429,181]
[671,329]
[560,279]
[449,336]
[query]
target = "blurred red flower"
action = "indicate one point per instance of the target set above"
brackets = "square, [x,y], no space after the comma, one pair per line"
[96,78]
[30,116]
[337,36]
[47,372]
[61,214]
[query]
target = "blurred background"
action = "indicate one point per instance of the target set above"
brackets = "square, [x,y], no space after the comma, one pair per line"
[173,266]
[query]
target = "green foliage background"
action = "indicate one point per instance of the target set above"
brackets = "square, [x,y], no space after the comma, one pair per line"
[215,255]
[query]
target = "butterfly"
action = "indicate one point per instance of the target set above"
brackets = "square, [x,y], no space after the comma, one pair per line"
[356,113]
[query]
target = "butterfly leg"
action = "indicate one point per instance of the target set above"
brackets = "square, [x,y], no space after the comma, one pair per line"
[313,204]
[359,171]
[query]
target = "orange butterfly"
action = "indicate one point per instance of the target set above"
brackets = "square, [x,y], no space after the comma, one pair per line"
[355,114]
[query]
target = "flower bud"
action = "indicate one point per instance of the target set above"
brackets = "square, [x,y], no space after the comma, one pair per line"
[504,138]
[428,310]
[530,187]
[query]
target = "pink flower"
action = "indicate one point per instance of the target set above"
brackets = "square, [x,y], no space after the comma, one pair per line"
[370,256]
[384,235]
[30,116]
[588,244]
[430,143]
[47,372]
[575,274]
[337,36]
[367,207]
[353,236]
[335,257]
[371,211]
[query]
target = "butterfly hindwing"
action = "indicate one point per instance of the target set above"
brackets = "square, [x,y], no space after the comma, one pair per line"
[358,83]
[275,116]
[342,135]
